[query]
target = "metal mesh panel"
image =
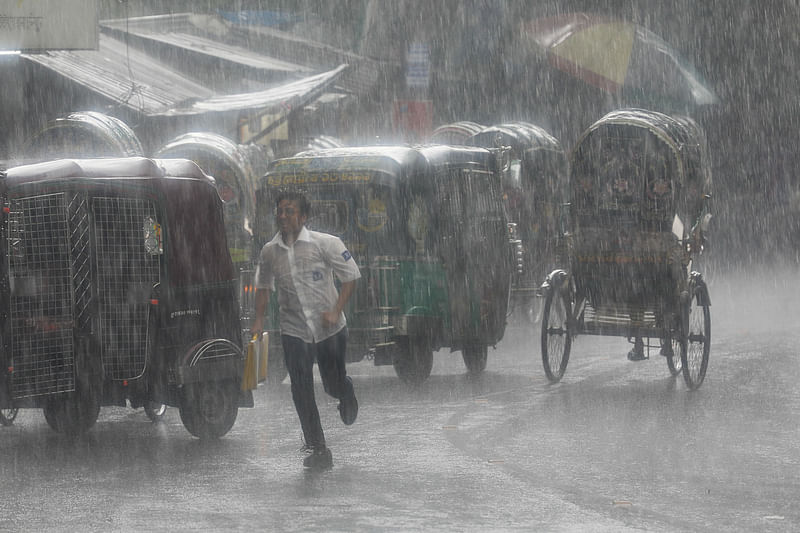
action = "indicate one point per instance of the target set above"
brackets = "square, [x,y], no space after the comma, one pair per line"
[126,273]
[620,315]
[40,304]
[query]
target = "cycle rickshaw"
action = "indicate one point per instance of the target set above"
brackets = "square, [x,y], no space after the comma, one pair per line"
[640,187]
[82,134]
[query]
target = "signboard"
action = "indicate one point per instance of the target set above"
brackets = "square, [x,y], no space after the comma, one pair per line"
[252,129]
[418,66]
[29,25]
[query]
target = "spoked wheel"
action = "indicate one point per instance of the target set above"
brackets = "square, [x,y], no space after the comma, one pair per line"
[673,355]
[694,355]
[475,357]
[208,409]
[155,411]
[414,360]
[556,334]
[7,416]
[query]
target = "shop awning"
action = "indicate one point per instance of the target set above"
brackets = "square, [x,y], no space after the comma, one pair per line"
[142,84]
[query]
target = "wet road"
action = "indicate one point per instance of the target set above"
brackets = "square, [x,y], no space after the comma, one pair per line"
[616,446]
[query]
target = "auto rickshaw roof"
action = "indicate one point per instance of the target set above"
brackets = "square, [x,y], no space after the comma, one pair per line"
[127,167]
[215,146]
[462,156]
[391,162]
[206,142]
[386,159]
[520,136]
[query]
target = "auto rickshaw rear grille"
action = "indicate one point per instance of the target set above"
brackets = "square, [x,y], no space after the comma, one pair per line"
[41,299]
[126,274]
[80,241]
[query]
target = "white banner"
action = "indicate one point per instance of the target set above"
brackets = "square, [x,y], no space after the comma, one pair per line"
[30,25]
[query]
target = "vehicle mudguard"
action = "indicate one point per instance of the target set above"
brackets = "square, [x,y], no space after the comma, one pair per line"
[213,359]
[699,287]
[555,279]
[209,360]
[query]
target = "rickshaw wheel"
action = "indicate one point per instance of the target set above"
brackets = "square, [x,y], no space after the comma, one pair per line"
[675,360]
[414,361]
[72,414]
[208,410]
[7,416]
[556,334]
[697,344]
[475,357]
[155,411]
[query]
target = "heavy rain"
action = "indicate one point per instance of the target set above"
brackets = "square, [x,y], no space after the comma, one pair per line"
[575,224]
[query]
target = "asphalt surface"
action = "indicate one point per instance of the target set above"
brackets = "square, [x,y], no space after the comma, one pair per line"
[616,446]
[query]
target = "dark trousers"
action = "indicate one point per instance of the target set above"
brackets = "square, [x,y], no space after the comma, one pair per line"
[329,355]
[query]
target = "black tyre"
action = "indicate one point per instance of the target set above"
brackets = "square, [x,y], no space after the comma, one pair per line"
[414,360]
[674,358]
[208,410]
[71,413]
[7,416]
[556,334]
[697,342]
[475,357]
[155,411]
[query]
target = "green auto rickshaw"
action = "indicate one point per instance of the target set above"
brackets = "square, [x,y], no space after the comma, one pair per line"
[428,230]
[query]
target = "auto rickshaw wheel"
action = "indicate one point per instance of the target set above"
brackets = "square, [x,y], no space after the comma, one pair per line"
[7,416]
[475,358]
[71,413]
[208,409]
[694,356]
[556,334]
[414,360]
[155,411]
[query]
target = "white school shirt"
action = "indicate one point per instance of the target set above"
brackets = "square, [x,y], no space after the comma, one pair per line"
[303,275]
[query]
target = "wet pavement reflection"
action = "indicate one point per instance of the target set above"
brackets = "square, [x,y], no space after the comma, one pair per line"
[615,446]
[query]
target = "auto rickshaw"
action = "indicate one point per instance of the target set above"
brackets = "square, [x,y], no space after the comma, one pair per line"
[118,289]
[534,187]
[87,134]
[427,229]
[641,189]
[236,168]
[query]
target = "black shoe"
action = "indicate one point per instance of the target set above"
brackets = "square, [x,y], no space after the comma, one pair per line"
[319,459]
[348,407]
[637,354]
